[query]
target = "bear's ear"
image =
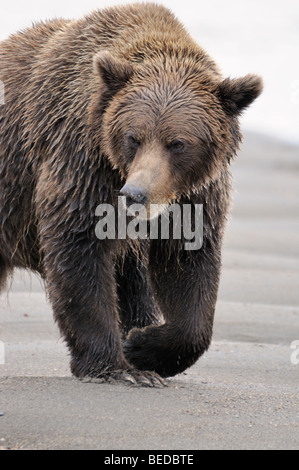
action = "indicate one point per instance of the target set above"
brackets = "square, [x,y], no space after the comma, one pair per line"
[114,72]
[236,94]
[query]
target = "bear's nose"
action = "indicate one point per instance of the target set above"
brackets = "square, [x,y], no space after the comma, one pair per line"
[133,195]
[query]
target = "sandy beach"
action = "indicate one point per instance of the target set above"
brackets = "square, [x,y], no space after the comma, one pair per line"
[243,394]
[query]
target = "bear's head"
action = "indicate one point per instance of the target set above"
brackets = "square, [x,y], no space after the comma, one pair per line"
[169,126]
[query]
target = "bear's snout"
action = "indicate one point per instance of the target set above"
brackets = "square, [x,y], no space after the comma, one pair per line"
[134,195]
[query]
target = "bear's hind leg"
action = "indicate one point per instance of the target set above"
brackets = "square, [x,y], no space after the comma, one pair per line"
[137,308]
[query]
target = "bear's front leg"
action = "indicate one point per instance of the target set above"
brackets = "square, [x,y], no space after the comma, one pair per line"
[81,288]
[185,285]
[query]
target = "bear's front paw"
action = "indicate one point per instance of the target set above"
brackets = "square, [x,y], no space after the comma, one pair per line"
[121,371]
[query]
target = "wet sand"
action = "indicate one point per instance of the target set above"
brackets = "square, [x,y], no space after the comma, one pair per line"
[243,394]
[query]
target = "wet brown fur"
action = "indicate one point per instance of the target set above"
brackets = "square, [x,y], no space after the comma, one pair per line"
[74,90]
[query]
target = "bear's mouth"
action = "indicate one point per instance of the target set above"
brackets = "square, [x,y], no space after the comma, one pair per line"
[146,211]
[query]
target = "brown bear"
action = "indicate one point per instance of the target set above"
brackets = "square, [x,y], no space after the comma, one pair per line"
[122,101]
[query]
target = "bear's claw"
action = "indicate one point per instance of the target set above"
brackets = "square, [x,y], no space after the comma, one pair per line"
[137,377]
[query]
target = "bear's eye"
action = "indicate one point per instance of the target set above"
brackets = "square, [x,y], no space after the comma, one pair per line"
[133,142]
[177,146]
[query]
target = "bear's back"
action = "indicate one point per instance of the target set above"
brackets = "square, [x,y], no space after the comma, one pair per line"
[19,51]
